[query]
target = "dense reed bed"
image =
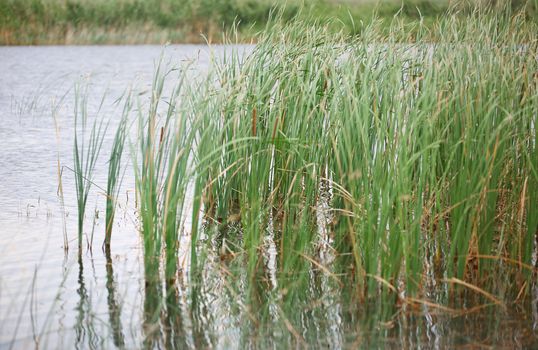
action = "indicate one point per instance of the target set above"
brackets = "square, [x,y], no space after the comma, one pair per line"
[408,171]
[407,162]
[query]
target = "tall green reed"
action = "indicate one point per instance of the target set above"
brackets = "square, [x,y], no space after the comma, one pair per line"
[86,149]
[162,174]
[115,175]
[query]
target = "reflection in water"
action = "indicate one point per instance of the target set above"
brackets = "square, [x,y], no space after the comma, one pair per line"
[201,317]
[534,296]
[173,324]
[84,325]
[225,308]
[152,304]
[114,309]
[258,300]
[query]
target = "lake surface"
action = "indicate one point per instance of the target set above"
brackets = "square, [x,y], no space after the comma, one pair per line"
[52,297]
[41,287]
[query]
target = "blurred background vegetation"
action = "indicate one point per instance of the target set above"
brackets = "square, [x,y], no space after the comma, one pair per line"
[24,22]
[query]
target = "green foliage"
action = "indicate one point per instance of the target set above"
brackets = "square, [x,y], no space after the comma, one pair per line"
[100,21]
[115,175]
[161,174]
[427,150]
[86,149]
[404,162]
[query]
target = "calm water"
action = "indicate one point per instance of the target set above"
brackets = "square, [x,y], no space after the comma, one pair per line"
[51,298]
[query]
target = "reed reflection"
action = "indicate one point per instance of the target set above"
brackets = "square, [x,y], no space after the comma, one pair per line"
[85,334]
[175,336]
[152,303]
[114,308]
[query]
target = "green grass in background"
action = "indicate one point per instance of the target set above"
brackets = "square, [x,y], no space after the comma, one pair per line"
[160,21]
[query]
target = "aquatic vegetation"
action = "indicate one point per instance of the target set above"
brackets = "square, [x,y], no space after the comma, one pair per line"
[321,163]
[421,158]
[115,175]
[162,174]
[86,149]
[25,22]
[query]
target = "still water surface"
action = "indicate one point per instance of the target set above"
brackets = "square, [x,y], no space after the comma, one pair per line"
[51,298]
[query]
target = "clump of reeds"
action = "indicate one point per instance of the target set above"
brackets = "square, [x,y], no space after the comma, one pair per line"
[410,156]
[428,150]
[165,142]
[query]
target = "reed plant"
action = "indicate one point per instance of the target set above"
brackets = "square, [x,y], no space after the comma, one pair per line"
[147,176]
[115,174]
[86,148]
[165,142]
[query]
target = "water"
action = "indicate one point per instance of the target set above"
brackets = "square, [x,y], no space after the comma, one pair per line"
[50,297]
[43,288]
